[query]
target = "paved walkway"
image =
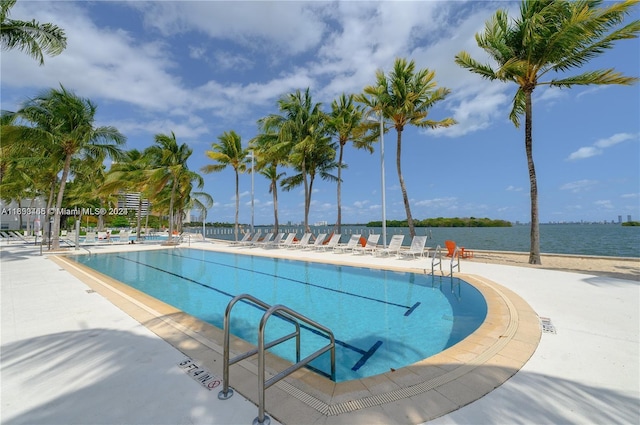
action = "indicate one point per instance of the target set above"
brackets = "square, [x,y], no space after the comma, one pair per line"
[72,357]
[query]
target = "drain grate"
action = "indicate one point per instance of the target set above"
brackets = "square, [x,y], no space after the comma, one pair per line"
[547,326]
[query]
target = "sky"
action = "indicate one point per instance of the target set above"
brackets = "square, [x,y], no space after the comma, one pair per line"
[200,68]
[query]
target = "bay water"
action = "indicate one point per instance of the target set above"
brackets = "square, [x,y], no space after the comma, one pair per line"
[612,240]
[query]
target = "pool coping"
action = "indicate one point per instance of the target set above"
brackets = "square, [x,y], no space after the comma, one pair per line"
[416,393]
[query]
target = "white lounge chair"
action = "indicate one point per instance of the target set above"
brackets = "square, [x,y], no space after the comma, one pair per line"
[288,241]
[254,239]
[317,243]
[349,246]
[302,243]
[245,238]
[275,242]
[371,245]
[90,237]
[123,237]
[394,245]
[333,242]
[416,248]
[261,242]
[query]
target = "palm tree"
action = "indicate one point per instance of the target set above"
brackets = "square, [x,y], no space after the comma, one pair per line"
[549,37]
[32,37]
[228,152]
[302,133]
[169,166]
[65,122]
[346,122]
[87,188]
[268,159]
[404,98]
[131,174]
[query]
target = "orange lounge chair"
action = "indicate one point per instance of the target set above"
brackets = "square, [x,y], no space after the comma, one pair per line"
[451,247]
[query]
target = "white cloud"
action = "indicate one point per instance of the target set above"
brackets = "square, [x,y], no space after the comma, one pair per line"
[579,186]
[197,52]
[604,204]
[599,145]
[615,139]
[289,27]
[229,60]
[128,70]
[437,202]
[630,195]
[591,90]
[513,189]
[550,94]
[584,152]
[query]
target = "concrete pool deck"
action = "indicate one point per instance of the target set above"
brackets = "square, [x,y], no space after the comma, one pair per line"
[70,356]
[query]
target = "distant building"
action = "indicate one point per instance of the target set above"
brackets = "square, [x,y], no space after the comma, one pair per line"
[18,217]
[619,219]
[629,217]
[130,201]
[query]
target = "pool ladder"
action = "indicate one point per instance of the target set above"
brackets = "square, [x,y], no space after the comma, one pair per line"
[437,261]
[288,315]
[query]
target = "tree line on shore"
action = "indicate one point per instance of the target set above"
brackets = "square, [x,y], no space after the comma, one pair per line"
[446,222]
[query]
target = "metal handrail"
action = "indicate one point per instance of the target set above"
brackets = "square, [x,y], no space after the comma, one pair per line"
[227,392]
[437,255]
[288,315]
[455,260]
[262,384]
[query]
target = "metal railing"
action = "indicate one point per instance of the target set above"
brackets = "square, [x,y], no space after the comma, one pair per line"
[436,260]
[288,315]
[455,260]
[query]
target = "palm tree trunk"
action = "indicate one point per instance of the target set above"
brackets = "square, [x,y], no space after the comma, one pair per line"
[339,220]
[101,216]
[307,197]
[55,232]
[274,189]
[403,188]
[173,194]
[534,254]
[139,219]
[20,216]
[235,231]
[307,206]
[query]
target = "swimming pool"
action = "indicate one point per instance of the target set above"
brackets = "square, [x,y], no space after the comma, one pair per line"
[382,320]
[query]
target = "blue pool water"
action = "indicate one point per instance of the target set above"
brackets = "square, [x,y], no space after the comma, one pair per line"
[381,319]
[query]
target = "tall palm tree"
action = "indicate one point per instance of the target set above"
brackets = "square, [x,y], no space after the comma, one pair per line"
[346,123]
[302,133]
[229,152]
[268,159]
[548,38]
[169,161]
[404,98]
[32,37]
[65,122]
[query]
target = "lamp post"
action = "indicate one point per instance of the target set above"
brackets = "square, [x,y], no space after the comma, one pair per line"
[252,205]
[384,207]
